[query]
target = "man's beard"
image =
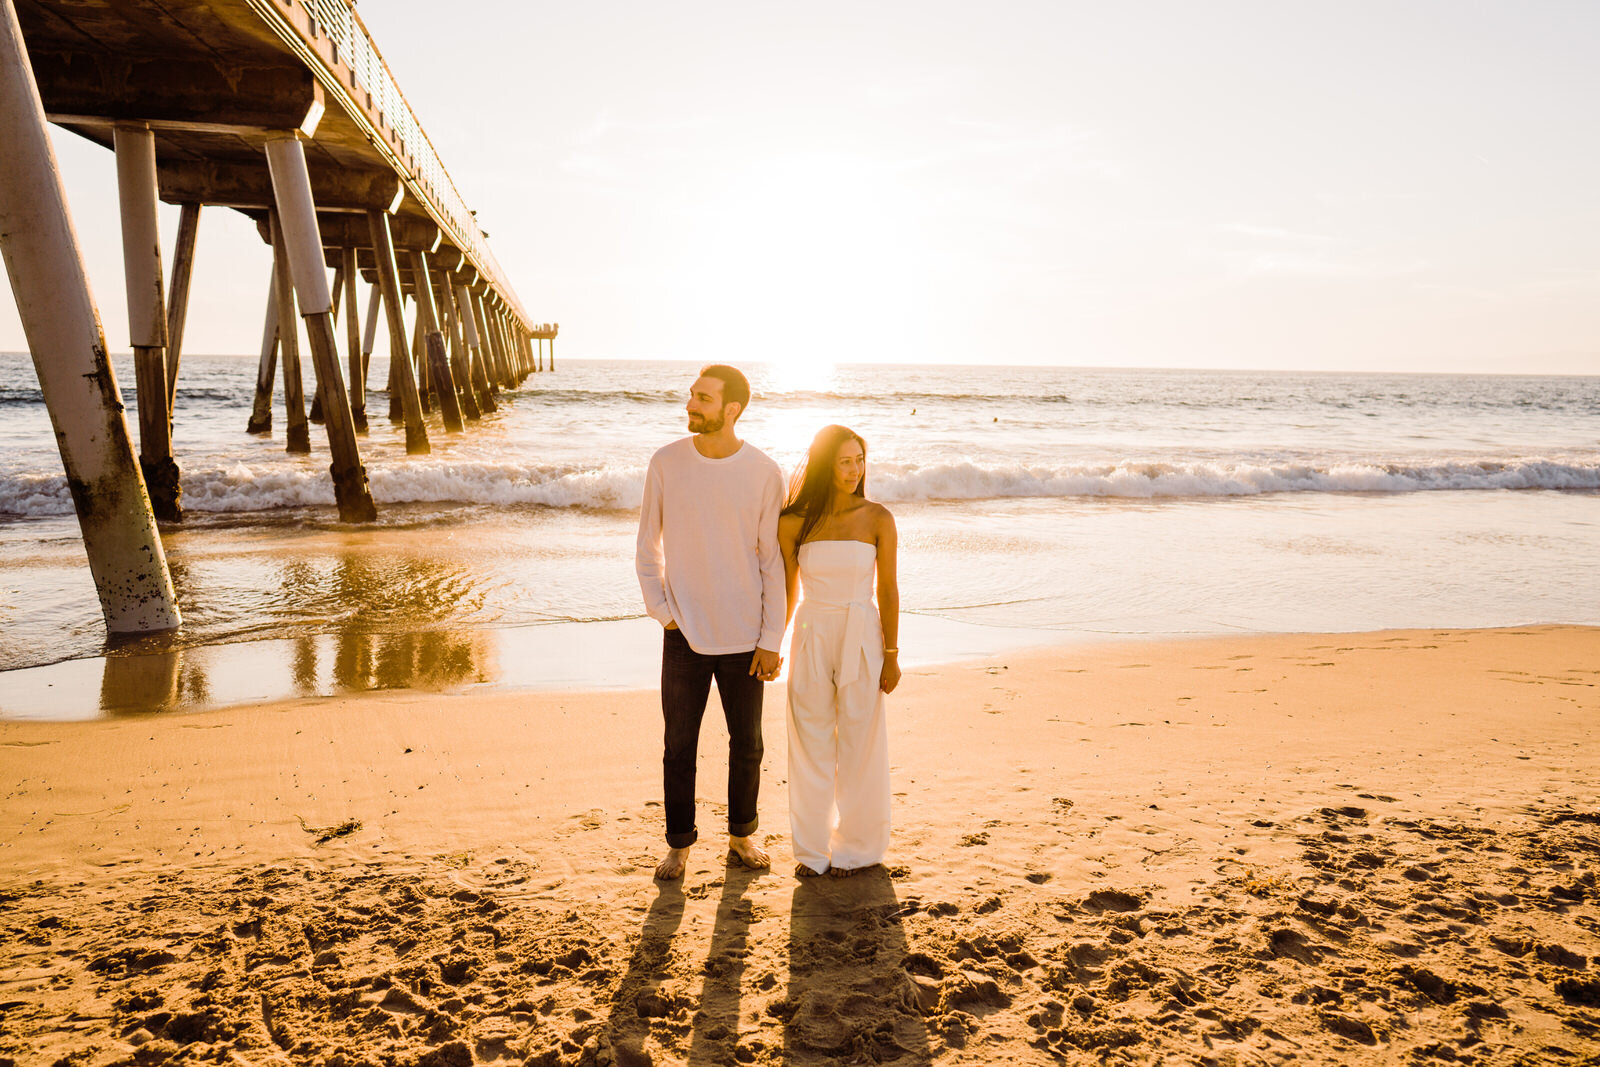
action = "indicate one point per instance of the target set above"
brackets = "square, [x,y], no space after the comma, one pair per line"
[701,424]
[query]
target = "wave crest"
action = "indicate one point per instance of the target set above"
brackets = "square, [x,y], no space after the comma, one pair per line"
[239,487]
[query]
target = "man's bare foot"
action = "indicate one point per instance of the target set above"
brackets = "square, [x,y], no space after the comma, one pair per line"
[841,872]
[749,853]
[802,871]
[671,868]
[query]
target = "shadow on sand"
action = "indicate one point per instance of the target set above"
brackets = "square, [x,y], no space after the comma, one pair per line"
[850,998]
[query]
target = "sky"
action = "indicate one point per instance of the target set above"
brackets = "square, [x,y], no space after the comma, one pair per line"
[1352,185]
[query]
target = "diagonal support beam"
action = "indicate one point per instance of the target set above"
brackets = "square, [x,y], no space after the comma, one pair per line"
[80,391]
[297,215]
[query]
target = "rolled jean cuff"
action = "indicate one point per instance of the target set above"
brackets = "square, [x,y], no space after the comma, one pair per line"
[683,840]
[743,829]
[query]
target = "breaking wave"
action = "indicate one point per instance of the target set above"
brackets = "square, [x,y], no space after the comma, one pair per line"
[239,487]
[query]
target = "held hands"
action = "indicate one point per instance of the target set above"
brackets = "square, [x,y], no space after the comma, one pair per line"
[765,665]
[891,673]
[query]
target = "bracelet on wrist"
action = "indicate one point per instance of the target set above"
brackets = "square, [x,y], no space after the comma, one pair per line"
[891,651]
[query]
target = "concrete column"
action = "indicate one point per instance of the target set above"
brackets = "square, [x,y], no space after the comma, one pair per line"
[261,413]
[514,343]
[402,375]
[475,348]
[316,394]
[555,329]
[147,313]
[352,333]
[419,363]
[539,366]
[438,361]
[298,434]
[291,190]
[178,295]
[370,336]
[61,323]
[460,359]
[497,320]
[491,343]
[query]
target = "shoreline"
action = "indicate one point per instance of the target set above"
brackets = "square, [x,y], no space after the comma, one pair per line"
[599,656]
[1347,848]
[561,657]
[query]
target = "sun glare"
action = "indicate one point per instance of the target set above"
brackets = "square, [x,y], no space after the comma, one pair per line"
[804,261]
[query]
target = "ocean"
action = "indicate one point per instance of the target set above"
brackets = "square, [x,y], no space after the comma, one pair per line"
[1035,505]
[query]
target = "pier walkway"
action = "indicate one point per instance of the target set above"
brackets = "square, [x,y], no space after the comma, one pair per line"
[283,110]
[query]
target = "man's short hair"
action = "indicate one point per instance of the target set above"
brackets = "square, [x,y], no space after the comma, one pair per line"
[735,386]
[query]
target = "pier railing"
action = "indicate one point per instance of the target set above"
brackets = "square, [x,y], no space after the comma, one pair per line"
[334,42]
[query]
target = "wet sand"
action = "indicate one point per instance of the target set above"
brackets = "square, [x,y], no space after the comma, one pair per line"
[1367,848]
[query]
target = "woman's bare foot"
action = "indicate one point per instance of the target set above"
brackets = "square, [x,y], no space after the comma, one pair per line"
[841,872]
[802,871]
[749,853]
[671,868]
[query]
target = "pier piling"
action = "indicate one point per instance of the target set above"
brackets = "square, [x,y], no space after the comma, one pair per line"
[369,337]
[261,412]
[178,295]
[147,314]
[298,432]
[297,232]
[480,370]
[438,361]
[460,359]
[352,333]
[401,371]
[68,347]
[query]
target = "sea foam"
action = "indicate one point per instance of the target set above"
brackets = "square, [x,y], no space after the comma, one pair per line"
[241,487]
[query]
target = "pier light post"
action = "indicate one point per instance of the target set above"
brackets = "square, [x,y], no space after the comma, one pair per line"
[438,361]
[261,412]
[297,217]
[402,373]
[297,436]
[480,370]
[352,333]
[68,347]
[147,313]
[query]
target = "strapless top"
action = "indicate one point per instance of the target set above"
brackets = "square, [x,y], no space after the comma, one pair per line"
[838,576]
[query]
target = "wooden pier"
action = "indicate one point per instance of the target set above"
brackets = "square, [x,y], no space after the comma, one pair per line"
[283,110]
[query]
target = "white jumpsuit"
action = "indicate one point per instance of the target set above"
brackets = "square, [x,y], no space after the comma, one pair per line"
[838,732]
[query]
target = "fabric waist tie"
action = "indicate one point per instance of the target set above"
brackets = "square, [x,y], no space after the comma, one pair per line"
[857,613]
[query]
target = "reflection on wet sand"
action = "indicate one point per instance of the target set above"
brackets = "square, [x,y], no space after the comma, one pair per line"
[134,684]
[307,666]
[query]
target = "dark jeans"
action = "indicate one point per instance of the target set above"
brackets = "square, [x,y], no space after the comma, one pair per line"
[685,687]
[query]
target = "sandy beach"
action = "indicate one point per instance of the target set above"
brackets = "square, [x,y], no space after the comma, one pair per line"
[1357,848]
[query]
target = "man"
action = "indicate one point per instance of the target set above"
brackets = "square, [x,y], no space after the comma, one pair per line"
[712,575]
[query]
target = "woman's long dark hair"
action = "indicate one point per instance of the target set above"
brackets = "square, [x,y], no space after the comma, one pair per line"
[812,483]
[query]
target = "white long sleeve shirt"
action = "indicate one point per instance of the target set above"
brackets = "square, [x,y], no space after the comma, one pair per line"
[708,556]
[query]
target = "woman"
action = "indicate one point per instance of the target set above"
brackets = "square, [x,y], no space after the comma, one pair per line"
[842,660]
